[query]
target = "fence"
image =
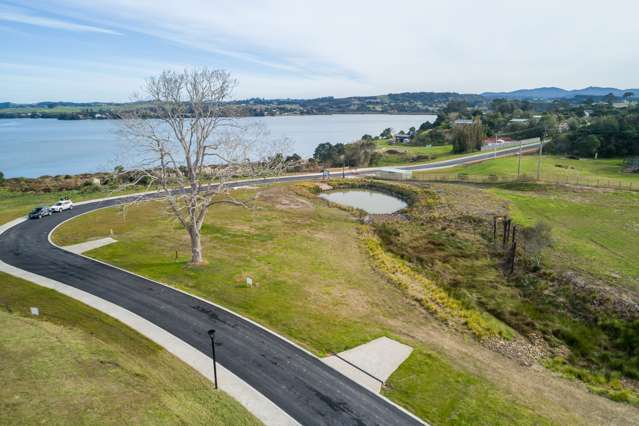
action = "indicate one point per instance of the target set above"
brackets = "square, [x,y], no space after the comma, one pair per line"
[567,181]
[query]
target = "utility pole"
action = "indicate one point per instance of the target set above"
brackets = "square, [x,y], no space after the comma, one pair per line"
[519,160]
[541,148]
[343,166]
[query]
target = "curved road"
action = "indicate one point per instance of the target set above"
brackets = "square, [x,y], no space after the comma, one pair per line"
[304,387]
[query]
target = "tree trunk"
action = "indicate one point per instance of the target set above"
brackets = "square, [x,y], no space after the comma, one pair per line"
[196,247]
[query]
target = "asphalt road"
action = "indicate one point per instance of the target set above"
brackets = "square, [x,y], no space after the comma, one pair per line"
[300,384]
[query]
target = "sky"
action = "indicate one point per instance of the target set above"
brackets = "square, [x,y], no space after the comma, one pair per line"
[78,50]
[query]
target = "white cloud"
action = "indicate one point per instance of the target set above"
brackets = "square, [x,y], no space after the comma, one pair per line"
[291,48]
[22,17]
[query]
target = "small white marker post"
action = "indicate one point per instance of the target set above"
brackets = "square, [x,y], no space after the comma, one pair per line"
[35,311]
[249,281]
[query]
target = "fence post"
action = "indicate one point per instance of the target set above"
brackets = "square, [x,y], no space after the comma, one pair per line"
[506,231]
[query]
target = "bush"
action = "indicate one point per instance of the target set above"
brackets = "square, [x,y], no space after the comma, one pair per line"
[536,239]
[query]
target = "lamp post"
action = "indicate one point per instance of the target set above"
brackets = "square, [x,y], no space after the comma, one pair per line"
[212,336]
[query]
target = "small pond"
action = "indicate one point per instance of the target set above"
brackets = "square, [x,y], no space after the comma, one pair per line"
[372,202]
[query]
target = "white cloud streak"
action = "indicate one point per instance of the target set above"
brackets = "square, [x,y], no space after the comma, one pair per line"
[293,48]
[21,17]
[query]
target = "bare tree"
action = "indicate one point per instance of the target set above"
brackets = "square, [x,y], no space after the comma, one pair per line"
[187,142]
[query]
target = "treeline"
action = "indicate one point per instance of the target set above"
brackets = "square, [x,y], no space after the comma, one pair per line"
[613,133]
[357,154]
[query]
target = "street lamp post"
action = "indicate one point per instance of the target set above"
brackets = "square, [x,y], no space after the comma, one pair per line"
[212,336]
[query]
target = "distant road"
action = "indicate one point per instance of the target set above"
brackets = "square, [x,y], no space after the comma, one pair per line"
[300,384]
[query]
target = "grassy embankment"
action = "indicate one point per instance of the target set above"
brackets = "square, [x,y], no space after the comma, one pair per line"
[586,320]
[595,235]
[594,230]
[75,365]
[394,155]
[601,172]
[16,204]
[315,284]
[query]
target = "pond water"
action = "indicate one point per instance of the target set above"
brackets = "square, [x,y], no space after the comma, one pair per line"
[373,202]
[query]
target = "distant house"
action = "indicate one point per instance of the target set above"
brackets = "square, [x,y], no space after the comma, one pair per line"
[463,122]
[519,120]
[623,104]
[404,137]
[564,127]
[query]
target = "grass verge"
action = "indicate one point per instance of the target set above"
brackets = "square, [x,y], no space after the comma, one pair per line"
[75,365]
[601,172]
[313,282]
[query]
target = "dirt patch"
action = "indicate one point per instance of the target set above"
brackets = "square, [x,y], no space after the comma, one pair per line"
[527,352]
[592,297]
[324,186]
[281,198]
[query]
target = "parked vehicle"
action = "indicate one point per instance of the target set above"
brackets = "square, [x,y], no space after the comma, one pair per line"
[61,206]
[39,212]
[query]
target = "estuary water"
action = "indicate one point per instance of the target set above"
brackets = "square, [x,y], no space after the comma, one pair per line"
[36,147]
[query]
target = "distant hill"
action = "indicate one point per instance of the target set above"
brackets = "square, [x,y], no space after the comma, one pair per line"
[392,103]
[558,93]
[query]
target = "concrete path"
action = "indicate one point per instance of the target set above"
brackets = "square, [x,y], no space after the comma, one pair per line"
[89,245]
[372,363]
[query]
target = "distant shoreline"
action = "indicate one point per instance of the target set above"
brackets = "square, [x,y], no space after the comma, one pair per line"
[239,116]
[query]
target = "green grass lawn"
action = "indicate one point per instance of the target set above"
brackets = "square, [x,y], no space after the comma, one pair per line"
[313,283]
[597,232]
[16,204]
[422,375]
[553,168]
[403,154]
[75,365]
